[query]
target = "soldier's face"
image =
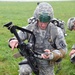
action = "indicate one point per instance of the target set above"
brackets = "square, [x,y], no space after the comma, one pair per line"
[74,26]
[42,25]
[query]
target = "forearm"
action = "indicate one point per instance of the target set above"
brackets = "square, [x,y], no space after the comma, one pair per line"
[22,36]
[58,54]
[54,55]
[13,42]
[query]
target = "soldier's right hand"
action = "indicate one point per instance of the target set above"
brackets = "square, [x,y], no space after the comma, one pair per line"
[13,44]
[72,52]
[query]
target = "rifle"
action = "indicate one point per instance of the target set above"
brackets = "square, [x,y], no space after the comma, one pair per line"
[26,50]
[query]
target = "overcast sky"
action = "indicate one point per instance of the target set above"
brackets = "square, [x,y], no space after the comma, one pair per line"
[37,0]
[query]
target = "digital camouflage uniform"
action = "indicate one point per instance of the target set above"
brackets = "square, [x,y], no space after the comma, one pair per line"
[45,40]
[59,23]
[71,24]
[51,39]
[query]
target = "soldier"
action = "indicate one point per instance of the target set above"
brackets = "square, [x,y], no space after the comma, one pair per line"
[48,40]
[71,26]
[57,22]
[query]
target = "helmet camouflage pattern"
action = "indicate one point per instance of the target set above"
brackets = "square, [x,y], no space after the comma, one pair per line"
[43,7]
[70,23]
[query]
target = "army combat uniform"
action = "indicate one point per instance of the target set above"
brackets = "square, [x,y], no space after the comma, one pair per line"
[51,39]
[71,27]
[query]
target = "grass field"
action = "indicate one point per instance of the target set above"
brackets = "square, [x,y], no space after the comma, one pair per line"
[18,13]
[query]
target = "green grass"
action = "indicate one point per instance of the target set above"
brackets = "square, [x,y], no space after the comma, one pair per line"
[18,13]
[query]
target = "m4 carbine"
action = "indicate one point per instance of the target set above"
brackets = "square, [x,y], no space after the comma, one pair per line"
[26,50]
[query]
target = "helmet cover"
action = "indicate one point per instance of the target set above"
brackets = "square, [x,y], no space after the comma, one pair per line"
[43,7]
[71,23]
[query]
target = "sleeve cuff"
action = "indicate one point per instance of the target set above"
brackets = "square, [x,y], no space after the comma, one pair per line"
[51,56]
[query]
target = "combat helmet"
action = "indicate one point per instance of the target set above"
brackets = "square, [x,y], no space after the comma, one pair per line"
[70,23]
[44,12]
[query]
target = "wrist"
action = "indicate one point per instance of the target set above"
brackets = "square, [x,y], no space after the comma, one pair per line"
[51,56]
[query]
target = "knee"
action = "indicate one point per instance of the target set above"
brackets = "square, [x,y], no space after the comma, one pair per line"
[25,69]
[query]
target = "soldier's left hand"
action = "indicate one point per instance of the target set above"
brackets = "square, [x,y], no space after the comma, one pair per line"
[46,55]
[72,52]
